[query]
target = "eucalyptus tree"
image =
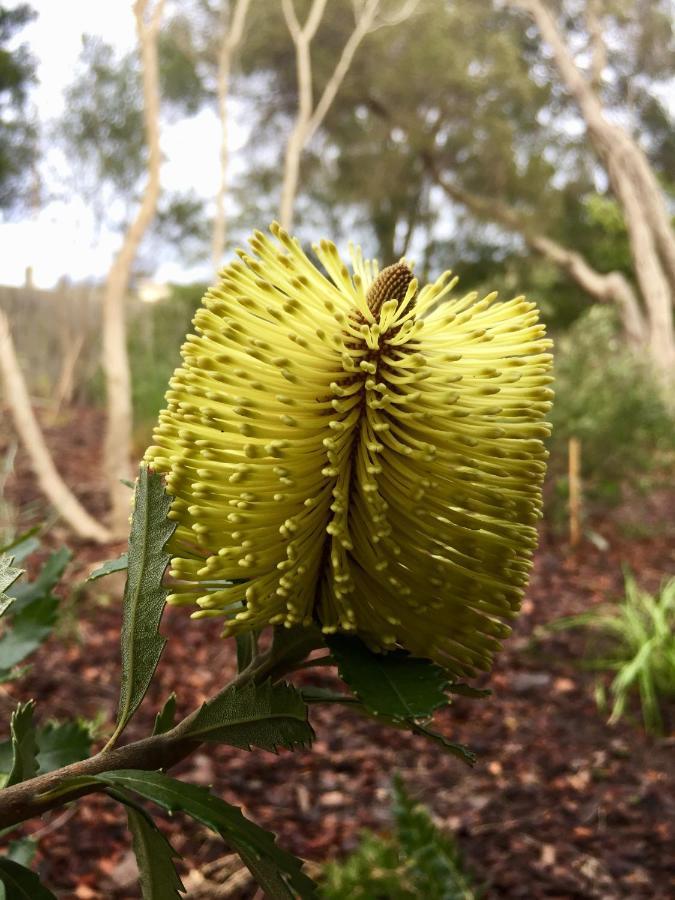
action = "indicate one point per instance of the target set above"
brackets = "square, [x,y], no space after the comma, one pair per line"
[456,126]
[18,135]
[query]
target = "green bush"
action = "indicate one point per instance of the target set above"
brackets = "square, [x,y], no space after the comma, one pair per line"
[154,344]
[636,640]
[607,399]
[416,861]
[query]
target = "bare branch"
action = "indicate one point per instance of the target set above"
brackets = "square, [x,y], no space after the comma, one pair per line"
[607,287]
[60,495]
[115,355]
[651,236]
[597,44]
[232,32]
[404,12]
[362,27]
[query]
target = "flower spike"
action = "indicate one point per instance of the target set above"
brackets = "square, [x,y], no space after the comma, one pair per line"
[352,450]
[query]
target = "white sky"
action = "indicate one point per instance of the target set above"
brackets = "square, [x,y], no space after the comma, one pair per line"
[62,239]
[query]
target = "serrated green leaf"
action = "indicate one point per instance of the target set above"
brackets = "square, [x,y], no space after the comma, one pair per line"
[62,743]
[32,614]
[394,685]
[58,744]
[155,857]
[266,716]
[29,625]
[41,588]
[459,750]
[164,720]
[8,575]
[18,544]
[23,545]
[144,594]
[120,564]
[22,884]
[278,872]
[24,746]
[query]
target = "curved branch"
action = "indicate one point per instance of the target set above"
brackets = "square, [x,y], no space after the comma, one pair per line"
[232,35]
[115,354]
[608,287]
[54,487]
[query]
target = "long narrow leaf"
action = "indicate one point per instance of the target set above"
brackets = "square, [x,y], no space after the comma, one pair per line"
[144,595]
[278,872]
[22,884]
[155,857]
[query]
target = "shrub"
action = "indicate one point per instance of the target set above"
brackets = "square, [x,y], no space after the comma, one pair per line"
[154,347]
[418,860]
[636,640]
[607,399]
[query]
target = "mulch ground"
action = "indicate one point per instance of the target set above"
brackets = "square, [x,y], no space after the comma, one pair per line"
[560,805]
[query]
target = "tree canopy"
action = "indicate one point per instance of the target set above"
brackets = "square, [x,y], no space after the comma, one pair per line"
[18,132]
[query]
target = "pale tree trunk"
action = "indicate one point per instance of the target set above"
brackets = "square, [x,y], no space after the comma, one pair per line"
[232,31]
[309,118]
[610,287]
[115,355]
[635,186]
[57,491]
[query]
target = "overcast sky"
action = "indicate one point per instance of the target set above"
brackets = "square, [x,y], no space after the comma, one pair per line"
[62,238]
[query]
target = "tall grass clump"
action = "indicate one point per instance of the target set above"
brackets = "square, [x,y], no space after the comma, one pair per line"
[417,860]
[635,639]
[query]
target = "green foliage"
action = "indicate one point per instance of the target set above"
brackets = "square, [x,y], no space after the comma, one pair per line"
[18,134]
[154,855]
[635,639]
[394,685]
[102,127]
[154,349]
[418,860]
[144,595]
[62,743]
[24,746]
[22,884]
[607,399]
[179,75]
[32,615]
[266,716]
[8,575]
[277,872]
[121,564]
[165,718]
[48,748]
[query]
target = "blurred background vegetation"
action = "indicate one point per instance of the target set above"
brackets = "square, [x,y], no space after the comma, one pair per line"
[452,137]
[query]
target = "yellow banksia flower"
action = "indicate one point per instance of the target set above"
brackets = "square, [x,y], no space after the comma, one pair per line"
[352,450]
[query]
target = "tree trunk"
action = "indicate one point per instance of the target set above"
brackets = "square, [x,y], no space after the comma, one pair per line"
[232,30]
[115,354]
[64,501]
[635,186]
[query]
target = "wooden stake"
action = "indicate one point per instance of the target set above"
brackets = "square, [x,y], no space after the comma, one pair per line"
[574,478]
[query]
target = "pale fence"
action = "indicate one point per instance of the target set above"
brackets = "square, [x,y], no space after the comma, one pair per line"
[57,334]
